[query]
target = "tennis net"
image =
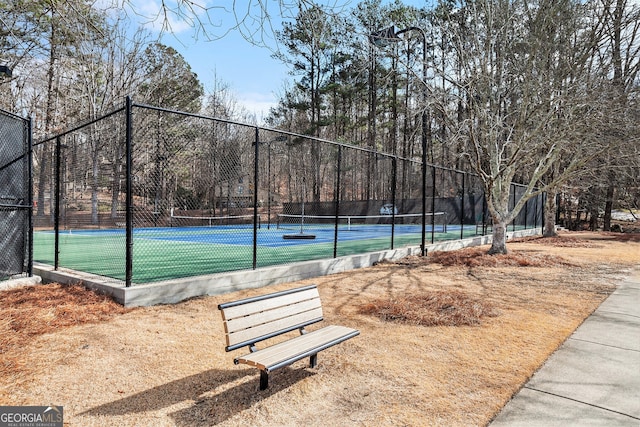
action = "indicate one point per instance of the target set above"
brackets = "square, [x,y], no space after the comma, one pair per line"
[367,223]
[226,221]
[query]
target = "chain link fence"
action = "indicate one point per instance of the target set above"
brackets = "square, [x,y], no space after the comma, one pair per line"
[79,189]
[15,196]
[147,194]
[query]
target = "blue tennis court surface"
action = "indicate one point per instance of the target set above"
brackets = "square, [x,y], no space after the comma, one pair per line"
[271,237]
[163,253]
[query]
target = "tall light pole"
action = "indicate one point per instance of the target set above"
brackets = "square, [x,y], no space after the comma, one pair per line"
[389,34]
[279,138]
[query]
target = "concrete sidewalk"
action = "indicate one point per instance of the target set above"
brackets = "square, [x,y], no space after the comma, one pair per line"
[594,377]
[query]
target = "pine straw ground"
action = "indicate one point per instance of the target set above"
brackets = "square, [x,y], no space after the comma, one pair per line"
[445,340]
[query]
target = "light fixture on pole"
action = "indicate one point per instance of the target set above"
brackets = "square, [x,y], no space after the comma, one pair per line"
[380,38]
[5,71]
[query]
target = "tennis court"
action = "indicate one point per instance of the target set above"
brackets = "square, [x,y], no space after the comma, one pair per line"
[163,253]
[178,195]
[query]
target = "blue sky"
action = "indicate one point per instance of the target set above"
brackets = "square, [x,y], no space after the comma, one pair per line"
[253,76]
[222,54]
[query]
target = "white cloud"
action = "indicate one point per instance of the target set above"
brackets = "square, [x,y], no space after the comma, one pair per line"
[257,103]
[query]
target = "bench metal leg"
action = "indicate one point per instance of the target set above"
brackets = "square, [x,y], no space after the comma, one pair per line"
[313,360]
[264,380]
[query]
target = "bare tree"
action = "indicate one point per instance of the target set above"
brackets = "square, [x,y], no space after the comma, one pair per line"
[253,19]
[106,72]
[612,62]
[525,102]
[622,49]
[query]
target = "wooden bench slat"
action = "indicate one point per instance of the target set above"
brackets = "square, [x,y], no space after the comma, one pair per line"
[277,325]
[298,345]
[240,323]
[287,349]
[267,304]
[273,355]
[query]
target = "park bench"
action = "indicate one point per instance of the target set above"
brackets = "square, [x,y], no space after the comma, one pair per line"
[252,320]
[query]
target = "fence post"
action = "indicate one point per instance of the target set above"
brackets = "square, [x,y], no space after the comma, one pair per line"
[56,206]
[535,211]
[394,178]
[464,176]
[542,214]
[30,196]
[423,242]
[256,169]
[513,223]
[433,204]
[129,195]
[337,197]
[484,212]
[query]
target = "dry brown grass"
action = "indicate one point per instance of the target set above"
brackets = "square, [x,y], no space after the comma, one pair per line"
[32,311]
[37,310]
[166,365]
[560,241]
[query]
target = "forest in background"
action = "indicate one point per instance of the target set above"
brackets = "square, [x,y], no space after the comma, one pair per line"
[540,92]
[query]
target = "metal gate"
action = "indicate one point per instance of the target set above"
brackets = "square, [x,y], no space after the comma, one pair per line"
[16,246]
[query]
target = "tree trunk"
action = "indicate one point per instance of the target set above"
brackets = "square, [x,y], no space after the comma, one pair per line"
[550,208]
[499,243]
[608,207]
[593,218]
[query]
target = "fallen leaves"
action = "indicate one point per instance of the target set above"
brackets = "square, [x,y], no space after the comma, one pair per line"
[441,308]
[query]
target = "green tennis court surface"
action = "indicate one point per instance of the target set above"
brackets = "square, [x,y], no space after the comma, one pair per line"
[175,252]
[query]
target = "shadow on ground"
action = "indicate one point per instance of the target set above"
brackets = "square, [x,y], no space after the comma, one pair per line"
[213,401]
